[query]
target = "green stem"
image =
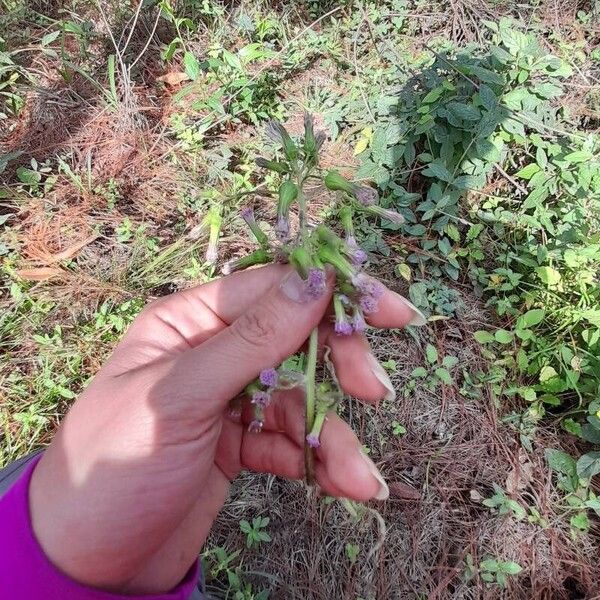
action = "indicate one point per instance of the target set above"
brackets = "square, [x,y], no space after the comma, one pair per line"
[311,368]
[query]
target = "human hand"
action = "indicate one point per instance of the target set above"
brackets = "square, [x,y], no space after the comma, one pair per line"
[126,493]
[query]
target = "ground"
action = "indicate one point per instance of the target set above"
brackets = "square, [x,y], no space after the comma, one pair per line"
[113,172]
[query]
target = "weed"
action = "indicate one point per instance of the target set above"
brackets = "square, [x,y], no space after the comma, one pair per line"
[254,532]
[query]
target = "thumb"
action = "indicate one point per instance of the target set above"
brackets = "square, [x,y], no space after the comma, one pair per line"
[262,337]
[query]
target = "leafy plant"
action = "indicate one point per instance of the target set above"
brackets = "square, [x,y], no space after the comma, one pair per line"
[505,505]
[497,571]
[254,532]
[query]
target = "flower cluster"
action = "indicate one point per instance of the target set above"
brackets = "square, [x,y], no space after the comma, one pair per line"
[310,249]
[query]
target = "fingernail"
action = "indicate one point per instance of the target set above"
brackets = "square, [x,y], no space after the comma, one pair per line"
[383,492]
[418,318]
[382,377]
[304,290]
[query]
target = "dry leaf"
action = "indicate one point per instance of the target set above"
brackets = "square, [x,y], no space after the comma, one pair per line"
[39,274]
[174,78]
[401,490]
[69,252]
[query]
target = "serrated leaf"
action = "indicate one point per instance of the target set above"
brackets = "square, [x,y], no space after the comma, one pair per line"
[578,157]
[437,169]
[419,372]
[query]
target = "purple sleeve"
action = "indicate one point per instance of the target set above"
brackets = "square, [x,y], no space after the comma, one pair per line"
[26,573]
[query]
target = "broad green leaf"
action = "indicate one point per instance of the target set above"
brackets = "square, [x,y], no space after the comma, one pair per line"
[444,375]
[404,271]
[437,169]
[528,172]
[419,372]
[578,157]
[580,521]
[530,318]
[590,433]
[547,373]
[561,462]
[431,354]
[503,337]
[467,112]
[433,95]
[28,176]
[588,465]
[191,66]
[483,337]
[547,90]
[549,276]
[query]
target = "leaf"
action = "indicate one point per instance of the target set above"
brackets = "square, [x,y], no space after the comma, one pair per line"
[483,337]
[361,145]
[551,277]
[28,176]
[433,95]
[437,169]
[191,65]
[50,37]
[173,78]
[503,337]
[444,375]
[561,462]
[588,465]
[580,521]
[404,271]
[590,433]
[530,318]
[39,274]
[431,354]
[578,157]
[419,372]
[511,568]
[528,172]
[449,361]
[547,90]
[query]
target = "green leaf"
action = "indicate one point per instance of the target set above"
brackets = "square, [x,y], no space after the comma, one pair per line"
[580,521]
[551,277]
[431,353]
[528,172]
[588,465]
[449,361]
[547,90]
[561,462]
[419,372]
[483,337]
[433,95]
[590,433]
[467,112]
[511,568]
[437,169]
[444,375]
[503,337]
[191,66]
[578,157]
[28,176]
[50,37]
[530,318]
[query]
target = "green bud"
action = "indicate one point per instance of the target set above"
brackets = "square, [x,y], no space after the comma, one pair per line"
[276,131]
[273,165]
[335,182]
[258,257]
[301,260]
[345,214]
[333,257]
[326,235]
[288,192]
[310,143]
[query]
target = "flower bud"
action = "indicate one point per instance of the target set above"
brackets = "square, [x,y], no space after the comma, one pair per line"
[332,256]
[277,132]
[272,165]
[247,214]
[342,324]
[258,257]
[301,260]
[335,182]
[386,213]
[366,195]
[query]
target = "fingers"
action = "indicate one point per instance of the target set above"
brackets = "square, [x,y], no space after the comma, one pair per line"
[342,469]
[270,330]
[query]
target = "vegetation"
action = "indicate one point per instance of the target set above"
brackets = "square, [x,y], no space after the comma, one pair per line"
[128,141]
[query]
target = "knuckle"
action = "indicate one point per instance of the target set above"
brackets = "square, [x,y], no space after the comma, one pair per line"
[258,326]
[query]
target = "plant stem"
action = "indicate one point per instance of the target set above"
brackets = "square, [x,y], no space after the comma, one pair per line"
[311,367]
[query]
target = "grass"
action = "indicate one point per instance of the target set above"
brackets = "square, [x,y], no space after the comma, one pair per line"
[127,146]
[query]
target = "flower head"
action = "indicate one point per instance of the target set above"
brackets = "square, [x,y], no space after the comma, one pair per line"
[255,426]
[313,440]
[358,321]
[343,327]
[282,228]
[262,399]
[269,378]
[366,195]
[315,283]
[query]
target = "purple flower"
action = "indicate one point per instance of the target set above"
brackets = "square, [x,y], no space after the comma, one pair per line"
[313,440]
[343,327]
[358,257]
[367,286]
[255,426]
[366,195]
[247,213]
[262,399]
[315,283]
[368,304]
[282,228]
[358,321]
[269,378]
[393,216]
